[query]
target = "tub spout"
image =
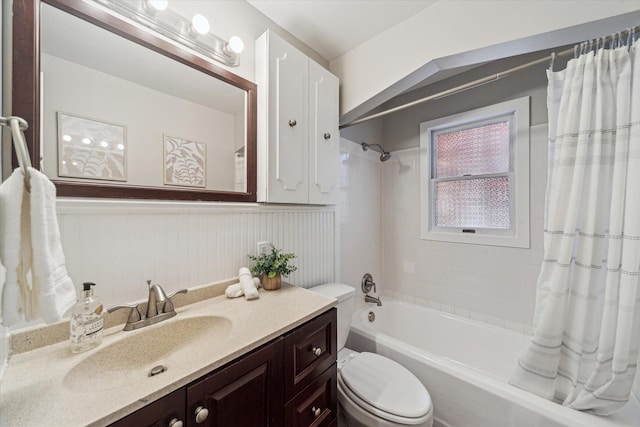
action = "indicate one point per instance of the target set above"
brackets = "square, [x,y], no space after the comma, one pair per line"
[369,298]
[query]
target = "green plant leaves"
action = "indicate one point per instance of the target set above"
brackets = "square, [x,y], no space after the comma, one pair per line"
[272,264]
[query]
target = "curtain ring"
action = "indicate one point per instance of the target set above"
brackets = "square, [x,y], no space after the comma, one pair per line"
[629,37]
[553,58]
[575,51]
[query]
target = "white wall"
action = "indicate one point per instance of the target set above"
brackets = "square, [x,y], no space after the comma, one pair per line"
[454,27]
[120,244]
[360,214]
[487,283]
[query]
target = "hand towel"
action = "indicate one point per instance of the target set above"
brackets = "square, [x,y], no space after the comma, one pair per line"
[56,293]
[247,284]
[15,249]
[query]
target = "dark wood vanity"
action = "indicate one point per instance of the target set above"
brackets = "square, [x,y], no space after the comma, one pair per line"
[290,381]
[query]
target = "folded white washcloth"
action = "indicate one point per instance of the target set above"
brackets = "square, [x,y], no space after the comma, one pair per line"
[246,283]
[51,281]
[235,290]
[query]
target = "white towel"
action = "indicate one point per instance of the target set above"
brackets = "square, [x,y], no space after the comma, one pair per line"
[15,246]
[235,290]
[246,283]
[36,280]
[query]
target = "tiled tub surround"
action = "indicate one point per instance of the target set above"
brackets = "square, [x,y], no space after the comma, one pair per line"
[34,391]
[466,366]
[360,215]
[497,282]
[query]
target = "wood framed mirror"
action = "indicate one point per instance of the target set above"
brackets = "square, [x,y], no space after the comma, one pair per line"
[224,159]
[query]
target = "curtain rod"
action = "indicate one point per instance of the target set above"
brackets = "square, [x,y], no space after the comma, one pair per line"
[488,79]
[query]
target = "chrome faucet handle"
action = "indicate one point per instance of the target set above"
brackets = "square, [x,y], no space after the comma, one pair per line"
[168,305]
[368,283]
[181,291]
[134,314]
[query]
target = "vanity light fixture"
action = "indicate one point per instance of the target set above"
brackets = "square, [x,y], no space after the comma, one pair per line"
[193,33]
[157,5]
[199,24]
[235,44]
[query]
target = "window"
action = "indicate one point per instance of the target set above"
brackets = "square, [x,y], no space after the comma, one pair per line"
[475,176]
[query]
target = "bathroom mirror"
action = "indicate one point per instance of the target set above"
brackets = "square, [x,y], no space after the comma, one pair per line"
[117,111]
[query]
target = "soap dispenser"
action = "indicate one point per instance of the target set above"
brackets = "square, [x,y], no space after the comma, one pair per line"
[86,323]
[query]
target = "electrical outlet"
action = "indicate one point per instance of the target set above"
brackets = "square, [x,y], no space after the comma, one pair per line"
[264,248]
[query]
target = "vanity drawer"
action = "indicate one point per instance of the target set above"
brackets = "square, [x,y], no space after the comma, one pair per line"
[309,351]
[317,404]
[159,413]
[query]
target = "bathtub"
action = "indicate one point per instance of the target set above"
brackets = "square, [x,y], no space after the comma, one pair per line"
[466,365]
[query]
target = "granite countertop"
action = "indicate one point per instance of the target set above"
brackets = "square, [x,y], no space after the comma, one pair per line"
[37,387]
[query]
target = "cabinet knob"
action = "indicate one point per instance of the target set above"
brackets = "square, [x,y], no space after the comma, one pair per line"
[176,423]
[327,135]
[316,412]
[316,350]
[201,414]
[292,122]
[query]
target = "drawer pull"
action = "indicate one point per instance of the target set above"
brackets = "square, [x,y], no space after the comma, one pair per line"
[176,423]
[292,122]
[201,414]
[316,412]
[316,350]
[327,135]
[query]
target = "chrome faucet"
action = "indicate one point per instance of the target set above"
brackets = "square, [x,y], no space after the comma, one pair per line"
[369,298]
[366,285]
[159,307]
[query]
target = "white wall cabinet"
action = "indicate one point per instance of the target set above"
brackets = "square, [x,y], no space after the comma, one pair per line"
[298,140]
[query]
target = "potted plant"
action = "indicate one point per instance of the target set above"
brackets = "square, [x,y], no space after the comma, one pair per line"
[272,266]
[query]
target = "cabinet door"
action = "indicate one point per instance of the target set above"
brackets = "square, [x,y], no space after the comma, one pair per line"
[167,411]
[288,123]
[324,138]
[247,393]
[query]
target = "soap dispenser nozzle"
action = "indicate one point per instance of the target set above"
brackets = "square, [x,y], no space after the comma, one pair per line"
[86,289]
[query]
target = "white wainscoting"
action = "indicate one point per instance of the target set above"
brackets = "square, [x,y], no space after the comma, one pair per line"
[121,244]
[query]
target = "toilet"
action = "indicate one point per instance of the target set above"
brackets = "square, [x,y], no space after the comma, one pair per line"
[373,390]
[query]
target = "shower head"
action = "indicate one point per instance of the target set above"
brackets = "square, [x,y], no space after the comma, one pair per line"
[384,155]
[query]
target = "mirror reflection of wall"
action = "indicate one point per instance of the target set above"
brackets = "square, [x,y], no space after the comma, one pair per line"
[91,73]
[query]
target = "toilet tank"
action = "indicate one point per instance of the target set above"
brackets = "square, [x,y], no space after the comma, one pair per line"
[344,294]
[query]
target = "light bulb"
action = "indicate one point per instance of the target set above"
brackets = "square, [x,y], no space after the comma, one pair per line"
[67,138]
[235,44]
[158,5]
[200,24]
[104,144]
[86,141]
[120,146]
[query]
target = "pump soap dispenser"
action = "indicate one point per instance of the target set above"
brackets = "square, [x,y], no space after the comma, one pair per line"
[86,323]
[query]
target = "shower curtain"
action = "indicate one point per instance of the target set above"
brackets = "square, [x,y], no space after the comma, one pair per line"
[586,328]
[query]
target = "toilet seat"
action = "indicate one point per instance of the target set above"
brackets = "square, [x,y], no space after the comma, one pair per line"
[385,388]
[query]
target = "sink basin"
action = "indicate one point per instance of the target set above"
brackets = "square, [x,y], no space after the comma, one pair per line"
[129,360]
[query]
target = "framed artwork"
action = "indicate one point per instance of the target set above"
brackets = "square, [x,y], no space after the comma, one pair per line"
[184,162]
[91,149]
